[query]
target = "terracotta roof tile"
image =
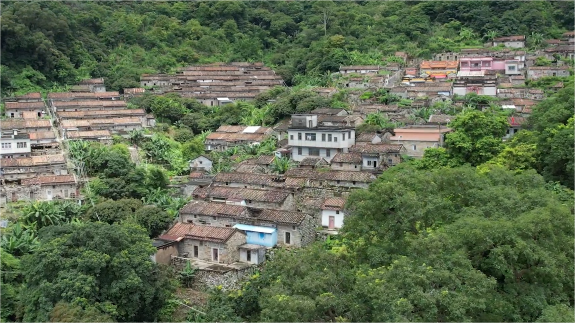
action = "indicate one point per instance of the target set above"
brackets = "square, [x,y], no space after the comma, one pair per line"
[25,124]
[328,111]
[42,135]
[313,161]
[24,105]
[180,229]
[89,134]
[244,178]
[51,180]
[353,158]
[366,137]
[265,159]
[279,216]
[377,148]
[209,233]
[334,203]
[33,161]
[270,196]
[212,209]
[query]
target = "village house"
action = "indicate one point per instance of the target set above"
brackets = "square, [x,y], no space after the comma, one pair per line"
[100,114]
[536,72]
[515,124]
[449,56]
[248,180]
[43,140]
[368,138]
[332,215]
[229,136]
[429,91]
[325,91]
[474,82]
[517,41]
[15,169]
[416,139]
[201,163]
[330,112]
[133,92]
[438,69]
[17,109]
[378,157]
[30,97]
[114,125]
[52,187]
[83,96]
[280,227]
[350,162]
[313,162]
[559,52]
[265,160]
[15,145]
[517,80]
[95,85]
[206,243]
[26,125]
[441,119]
[165,250]
[86,105]
[309,139]
[260,198]
[362,69]
[102,136]
[331,178]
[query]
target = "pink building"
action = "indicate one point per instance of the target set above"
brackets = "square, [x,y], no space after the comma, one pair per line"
[480,64]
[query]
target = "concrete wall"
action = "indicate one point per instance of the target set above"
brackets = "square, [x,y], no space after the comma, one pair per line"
[338,217]
[257,256]
[322,153]
[346,167]
[416,148]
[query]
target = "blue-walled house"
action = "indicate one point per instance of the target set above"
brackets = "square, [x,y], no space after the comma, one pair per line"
[258,235]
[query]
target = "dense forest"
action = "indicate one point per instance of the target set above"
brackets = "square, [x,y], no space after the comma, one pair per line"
[53,44]
[479,230]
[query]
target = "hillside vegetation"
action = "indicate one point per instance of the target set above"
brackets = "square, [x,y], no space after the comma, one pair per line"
[52,44]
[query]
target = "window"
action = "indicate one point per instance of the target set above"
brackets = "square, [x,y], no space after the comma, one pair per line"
[299,136]
[369,163]
[313,151]
[336,212]
[299,151]
[196,252]
[215,254]
[414,147]
[291,137]
[329,137]
[262,235]
[6,145]
[293,227]
[323,137]
[390,161]
[343,137]
[334,139]
[12,115]
[353,182]
[338,182]
[249,255]
[511,68]
[201,162]
[213,217]
[327,153]
[310,136]
[227,183]
[288,238]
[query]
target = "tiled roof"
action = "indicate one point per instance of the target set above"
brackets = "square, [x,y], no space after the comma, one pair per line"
[25,124]
[277,215]
[179,229]
[97,113]
[249,168]
[331,175]
[244,178]
[441,118]
[89,104]
[366,137]
[328,111]
[89,134]
[24,105]
[439,64]
[523,102]
[353,158]
[315,203]
[93,81]
[42,135]
[334,203]
[510,38]
[377,148]
[312,161]
[271,196]
[212,209]
[51,180]
[209,233]
[71,95]
[265,159]
[33,161]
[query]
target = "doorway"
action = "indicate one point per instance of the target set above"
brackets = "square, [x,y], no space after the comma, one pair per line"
[215,254]
[331,222]
[249,256]
[288,238]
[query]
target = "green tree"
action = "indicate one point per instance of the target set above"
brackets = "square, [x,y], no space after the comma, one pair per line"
[476,137]
[66,312]
[282,165]
[153,219]
[88,263]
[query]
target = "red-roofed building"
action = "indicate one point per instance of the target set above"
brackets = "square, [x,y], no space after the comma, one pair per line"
[515,124]
[206,243]
[332,214]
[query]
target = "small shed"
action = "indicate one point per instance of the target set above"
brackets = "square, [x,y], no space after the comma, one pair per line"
[259,235]
[201,163]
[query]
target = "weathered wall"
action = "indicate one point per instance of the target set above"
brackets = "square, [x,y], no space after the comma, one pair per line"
[164,255]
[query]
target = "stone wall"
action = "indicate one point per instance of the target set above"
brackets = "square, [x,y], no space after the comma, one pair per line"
[207,279]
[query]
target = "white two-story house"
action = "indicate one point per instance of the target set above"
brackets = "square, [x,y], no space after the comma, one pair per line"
[308,138]
[15,145]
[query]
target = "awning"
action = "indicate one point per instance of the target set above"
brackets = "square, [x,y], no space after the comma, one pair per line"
[254,228]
